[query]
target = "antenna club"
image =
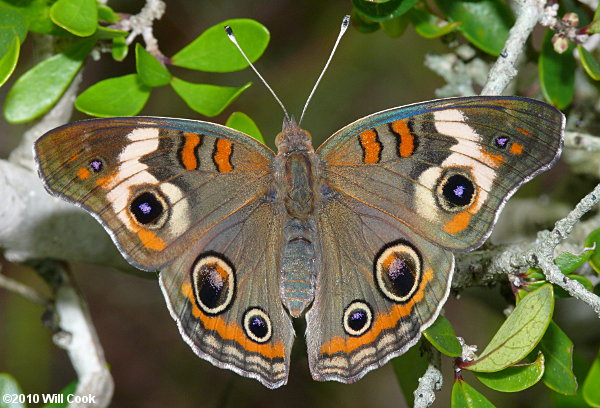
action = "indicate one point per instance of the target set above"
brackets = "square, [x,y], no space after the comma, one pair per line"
[345,21]
[229,31]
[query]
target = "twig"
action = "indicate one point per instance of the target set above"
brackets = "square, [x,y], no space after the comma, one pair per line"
[23,290]
[583,141]
[141,24]
[504,70]
[429,383]
[78,337]
[495,264]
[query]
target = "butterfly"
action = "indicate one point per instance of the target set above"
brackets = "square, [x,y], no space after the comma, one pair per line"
[357,236]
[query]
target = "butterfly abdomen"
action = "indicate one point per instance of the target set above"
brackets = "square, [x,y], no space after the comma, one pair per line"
[296,180]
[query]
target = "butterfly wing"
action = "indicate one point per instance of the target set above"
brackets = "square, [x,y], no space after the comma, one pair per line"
[224,296]
[400,188]
[445,168]
[196,200]
[379,287]
[154,183]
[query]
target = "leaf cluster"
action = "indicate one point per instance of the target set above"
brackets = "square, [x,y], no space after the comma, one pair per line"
[527,348]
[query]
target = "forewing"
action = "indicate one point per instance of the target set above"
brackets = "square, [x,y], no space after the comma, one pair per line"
[155,184]
[445,168]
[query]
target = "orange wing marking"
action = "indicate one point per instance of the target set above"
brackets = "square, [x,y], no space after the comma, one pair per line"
[407,140]
[382,322]
[83,173]
[222,155]
[231,331]
[516,148]
[371,146]
[458,223]
[187,153]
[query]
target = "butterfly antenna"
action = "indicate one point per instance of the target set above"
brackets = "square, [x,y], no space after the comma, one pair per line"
[232,38]
[345,23]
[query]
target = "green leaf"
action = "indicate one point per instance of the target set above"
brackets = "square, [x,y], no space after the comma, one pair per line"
[567,262]
[485,23]
[118,96]
[560,292]
[382,10]
[38,89]
[514,378]
[37,15]
[519,334]
[69,389]
[149,69]
[119,48]
[465,396]
[593,241]
[208,100]
[79,17]
[590,65]
[8,62]
[394,27]
[581,365]
[594,27]
[535,273]
[12,25]
[107,14]
[557,73]
[429,25]
[212,51]
[104,33]
[242,122]
[409,367]
[558,351]
[591,385]
[9,386]
[441,335]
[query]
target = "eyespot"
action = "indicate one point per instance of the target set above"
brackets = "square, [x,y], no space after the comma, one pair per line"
[398,271]
[455,191]
[358,318]
[213,279]
[501,142]
[148,209]
[96,165]
[257,325]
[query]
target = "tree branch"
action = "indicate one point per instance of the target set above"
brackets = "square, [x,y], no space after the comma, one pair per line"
[77,335]
[430,382]
[504,70]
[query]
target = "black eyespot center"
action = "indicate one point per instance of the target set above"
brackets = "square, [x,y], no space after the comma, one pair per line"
[501,142]
[398,269]
[147,208]
[96,165]
[257,325]
[358,318]
[213,278]
[455,190]
[458,190]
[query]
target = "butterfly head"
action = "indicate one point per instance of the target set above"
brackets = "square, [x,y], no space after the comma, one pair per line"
[293,138]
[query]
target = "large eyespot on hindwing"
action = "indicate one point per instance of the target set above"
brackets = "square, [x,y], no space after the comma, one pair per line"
[257,325]
[149,209]
[358,318]
[213,280]
[398,270]
[455,190]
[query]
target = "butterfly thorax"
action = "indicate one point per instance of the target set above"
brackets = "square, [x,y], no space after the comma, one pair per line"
[296,167]
[292,138]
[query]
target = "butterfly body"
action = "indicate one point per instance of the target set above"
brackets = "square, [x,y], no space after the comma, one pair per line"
[356,236]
